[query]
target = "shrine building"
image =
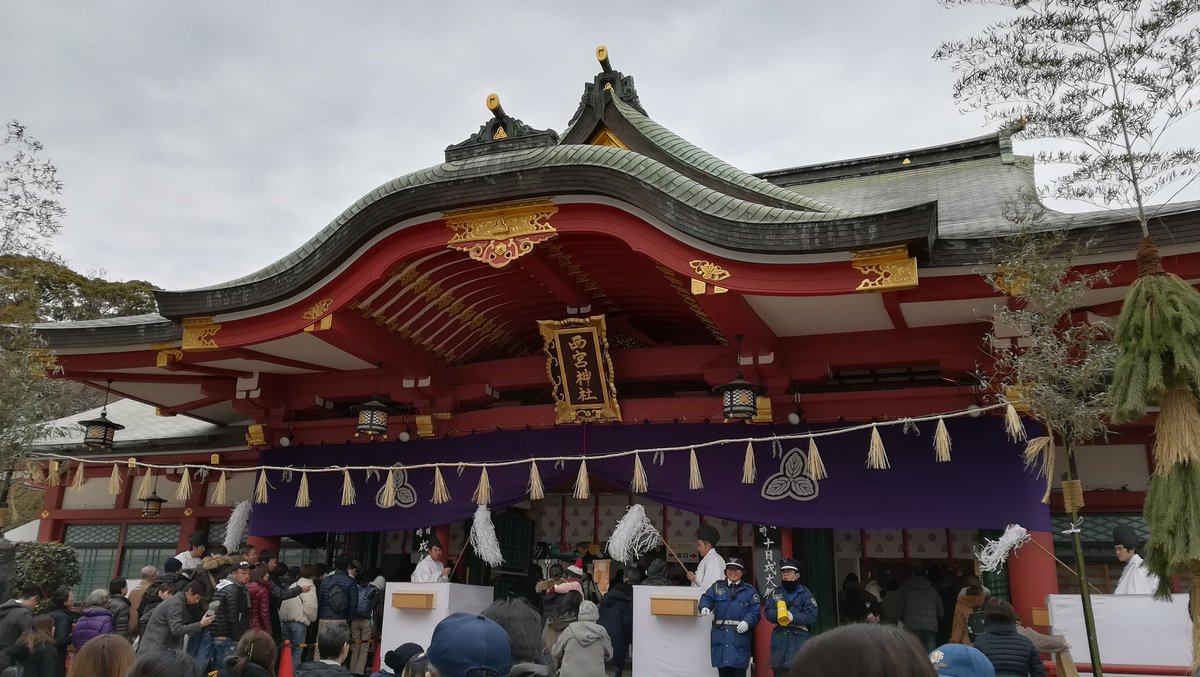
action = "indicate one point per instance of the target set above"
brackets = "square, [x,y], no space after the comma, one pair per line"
[565,304]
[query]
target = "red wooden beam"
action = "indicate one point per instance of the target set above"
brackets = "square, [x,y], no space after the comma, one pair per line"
[549,275]
[275,359]
[118,377]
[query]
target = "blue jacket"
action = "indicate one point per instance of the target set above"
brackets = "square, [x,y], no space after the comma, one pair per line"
[731,605]
[786,640]
[332,606]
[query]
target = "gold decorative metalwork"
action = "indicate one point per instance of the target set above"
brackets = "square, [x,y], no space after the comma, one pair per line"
[605,137]
[500,234]
[688,298]
[709,271]
[500,133]
[886,269]
[763,405]
[580,370]
[321,325]
[165,358]
[318,309]
[579,276]
[424,424]
[256,435]
[198,333]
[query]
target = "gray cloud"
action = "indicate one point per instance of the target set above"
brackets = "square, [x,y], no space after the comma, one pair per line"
[201,141]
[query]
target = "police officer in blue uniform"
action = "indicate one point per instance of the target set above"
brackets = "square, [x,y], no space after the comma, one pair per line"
[735,607]
[792,609]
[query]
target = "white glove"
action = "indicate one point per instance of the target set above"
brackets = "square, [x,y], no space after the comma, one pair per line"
[743,627]
[706,611]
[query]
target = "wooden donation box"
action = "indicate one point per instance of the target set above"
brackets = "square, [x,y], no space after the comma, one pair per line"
[672,636]
[412,610]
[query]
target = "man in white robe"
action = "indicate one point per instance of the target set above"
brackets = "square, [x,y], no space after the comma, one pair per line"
[1136,579]
[431,569]
[712,565]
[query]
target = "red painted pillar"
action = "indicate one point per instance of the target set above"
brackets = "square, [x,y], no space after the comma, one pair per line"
[264,543]
[1032,576]
[762,632]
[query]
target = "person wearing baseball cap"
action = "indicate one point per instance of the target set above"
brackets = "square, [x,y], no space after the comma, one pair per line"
[792,609]
[735,607]
[1136,579]
[464,644]
[960,660]
[712,565]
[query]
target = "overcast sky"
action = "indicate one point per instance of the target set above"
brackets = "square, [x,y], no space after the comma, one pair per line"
[201,141]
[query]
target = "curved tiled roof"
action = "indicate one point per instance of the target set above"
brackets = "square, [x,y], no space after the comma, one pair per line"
[695,210]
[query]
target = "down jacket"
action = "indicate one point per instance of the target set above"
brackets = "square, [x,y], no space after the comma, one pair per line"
[1011,653]
[302,608]
[260,606]
[584,647]
[921,606]
[233,616]
[93,622]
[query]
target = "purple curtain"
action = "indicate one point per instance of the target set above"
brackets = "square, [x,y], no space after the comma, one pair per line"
[984,486]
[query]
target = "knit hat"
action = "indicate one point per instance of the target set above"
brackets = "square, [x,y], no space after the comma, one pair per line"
[397,658]
[588,611]
[462,643]
[379,582]
[172,565]
[576,569]
[960,660]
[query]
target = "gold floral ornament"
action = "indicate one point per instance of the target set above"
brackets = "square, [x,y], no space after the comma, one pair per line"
[709,270]
[499,235]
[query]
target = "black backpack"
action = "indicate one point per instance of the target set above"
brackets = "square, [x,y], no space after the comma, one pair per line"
[975,622]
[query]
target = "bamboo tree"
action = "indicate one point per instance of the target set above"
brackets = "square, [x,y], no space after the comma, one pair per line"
[1116,78]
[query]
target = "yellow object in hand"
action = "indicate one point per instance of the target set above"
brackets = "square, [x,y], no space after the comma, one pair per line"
[784,617]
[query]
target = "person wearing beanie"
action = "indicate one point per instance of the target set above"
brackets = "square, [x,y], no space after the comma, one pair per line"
[1136,579]
[958,660]
[735,608]
[712,565]
[584,647]
[395,660]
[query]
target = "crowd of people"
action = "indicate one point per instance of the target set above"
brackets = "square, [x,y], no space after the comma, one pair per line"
[210,611]
[205,602]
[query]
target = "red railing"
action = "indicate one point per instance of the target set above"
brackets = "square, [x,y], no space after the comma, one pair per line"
[1125,669]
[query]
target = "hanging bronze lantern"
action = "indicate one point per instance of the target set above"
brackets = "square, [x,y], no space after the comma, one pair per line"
[98,433]
[739,397]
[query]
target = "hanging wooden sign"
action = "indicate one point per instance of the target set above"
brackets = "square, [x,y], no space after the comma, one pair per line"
[767,554]
[580,370]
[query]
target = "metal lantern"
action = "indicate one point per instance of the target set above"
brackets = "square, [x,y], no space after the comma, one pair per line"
[372,418]
[739,397]
[152,504]
[98,433]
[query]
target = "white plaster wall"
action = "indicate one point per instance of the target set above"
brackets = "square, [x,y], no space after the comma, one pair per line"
[93,495]
[1108,466]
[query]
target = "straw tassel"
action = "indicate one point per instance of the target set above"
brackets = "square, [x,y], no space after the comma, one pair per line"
[114,482]
[877,456]
[143,491]
[816,467]
[53,479]
[483,491]
[440,493]
[694,479]
[582,489]
[348,493]
[260,491]
[1012,424]
[77,483]
[302,498]
[749,472]
[536,490]
[387,496]
[1039,453]
[36,475]
[638,485]
[941,442]
[219,492]
[184,492]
